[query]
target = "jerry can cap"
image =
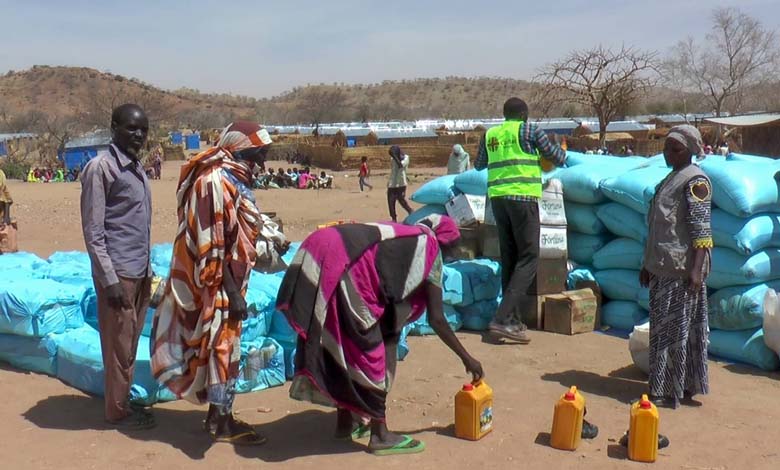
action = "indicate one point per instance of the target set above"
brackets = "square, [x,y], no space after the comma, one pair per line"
[645,404]
[569,396]
[468,387]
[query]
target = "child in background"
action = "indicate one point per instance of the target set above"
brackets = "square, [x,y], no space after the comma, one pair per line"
[325,181]
[365,172]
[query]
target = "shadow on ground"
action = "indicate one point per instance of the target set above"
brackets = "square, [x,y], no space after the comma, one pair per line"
[624,384]
[297,435]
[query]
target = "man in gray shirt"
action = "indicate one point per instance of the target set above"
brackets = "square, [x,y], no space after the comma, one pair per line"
[116,217]
[396,185]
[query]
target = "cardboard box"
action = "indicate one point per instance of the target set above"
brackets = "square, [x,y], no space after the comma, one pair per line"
[488,238]
[570,312]
[469,246]
[551,208]
[593,286]
[551,276]
[534,318]
[552,242]
[466,209]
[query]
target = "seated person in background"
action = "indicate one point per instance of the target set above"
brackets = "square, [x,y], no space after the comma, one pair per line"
[281,179]
[325,181]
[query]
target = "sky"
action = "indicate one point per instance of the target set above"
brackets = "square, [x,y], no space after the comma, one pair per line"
[263,48]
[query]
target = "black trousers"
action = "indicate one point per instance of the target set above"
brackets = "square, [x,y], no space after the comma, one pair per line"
[397,195]
[518,238]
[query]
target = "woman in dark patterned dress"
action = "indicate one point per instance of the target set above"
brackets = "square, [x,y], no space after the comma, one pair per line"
[676,265]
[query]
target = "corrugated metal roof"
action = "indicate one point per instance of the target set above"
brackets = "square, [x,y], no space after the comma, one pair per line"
[16,135]
[99,138]
[747,120]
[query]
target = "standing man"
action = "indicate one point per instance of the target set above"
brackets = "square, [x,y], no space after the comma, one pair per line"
[5,202]
[511,153]
[396,186]
[116,217]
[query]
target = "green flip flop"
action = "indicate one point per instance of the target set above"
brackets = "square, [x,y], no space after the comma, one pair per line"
[407,446]
[360,432]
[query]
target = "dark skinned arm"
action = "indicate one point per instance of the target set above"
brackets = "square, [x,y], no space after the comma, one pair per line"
[439,324]
[696,278]
[237,304]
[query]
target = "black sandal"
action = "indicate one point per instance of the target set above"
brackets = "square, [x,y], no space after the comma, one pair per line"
[135,421]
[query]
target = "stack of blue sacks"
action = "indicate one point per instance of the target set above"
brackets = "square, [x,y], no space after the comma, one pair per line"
[607,201]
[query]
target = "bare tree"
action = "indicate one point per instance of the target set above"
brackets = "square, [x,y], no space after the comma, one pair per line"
[321,103]
[601,79]
[739,54]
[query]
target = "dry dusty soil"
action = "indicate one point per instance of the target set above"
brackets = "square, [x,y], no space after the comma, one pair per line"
[47,424]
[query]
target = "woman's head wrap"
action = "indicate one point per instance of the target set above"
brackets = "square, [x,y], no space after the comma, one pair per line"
[444,228]
[690,137]
[241,135]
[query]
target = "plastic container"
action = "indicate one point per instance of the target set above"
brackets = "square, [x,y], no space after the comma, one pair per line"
[643,431]
[567,420]
[474,411]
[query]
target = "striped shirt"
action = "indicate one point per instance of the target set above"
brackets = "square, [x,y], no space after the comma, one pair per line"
[532,139]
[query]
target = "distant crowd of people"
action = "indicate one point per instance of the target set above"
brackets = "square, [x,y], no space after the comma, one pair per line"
[291,178]
[49,175]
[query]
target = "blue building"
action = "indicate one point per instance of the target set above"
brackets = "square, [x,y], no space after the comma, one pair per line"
[82,149]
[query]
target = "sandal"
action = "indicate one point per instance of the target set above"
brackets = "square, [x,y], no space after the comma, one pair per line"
[244,438]
[407,446]
[360,432]
[135,421]
[663,441]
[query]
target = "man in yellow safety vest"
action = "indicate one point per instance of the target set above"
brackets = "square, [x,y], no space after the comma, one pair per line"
[512,154]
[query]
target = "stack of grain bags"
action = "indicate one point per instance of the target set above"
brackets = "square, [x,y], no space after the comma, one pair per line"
[471,287]
[607,203]
[48,324]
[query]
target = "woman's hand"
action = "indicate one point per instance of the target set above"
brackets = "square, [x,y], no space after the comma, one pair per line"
[644,278]
[237,309]
[473,367]
[695,280]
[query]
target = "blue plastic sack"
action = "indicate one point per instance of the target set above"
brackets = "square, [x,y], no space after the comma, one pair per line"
[582,218]
[744,346]
[403,343]
[643,298]
[38,307]
[619,284]
[745,236]
[580,273]
[581,183]
[21,264]
[281,330]
[739,307]
[80,364]
[729,268]
[421,327]
[70,257]
[478,315]
[423,212]
[456,288]
[33,354]
[261,365]
[623,222]
[623,253]
[437,191]
[582,247]
[635,188]
[622,315]
[744,188]
[472,182]
[481,276]
[161,257]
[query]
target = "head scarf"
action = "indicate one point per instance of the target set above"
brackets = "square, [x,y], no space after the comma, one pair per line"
[396,151]
[690,137]
[243,134]
[444,228]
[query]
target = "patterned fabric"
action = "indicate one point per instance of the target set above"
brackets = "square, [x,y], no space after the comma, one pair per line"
[532,138]
[698,196]
[348,293]
[678,338]
[196,347]
[689,136]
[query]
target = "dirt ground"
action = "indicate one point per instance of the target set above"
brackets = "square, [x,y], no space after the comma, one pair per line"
[47,424]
